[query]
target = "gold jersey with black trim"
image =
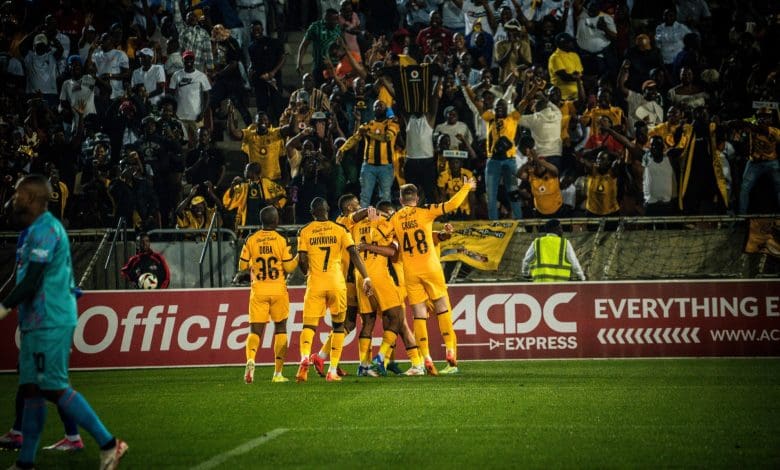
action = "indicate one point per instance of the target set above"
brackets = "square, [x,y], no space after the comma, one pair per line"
[378,141]
[324,242]
[267,255]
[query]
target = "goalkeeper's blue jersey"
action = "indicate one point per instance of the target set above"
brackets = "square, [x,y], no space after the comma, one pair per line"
[54,303]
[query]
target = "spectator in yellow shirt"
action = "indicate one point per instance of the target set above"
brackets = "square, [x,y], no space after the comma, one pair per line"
[565,67]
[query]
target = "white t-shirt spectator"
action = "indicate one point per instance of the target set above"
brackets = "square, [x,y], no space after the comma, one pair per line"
[41,73]
[639,109]
[76,91]
[111,62]
[545,126]
[589,36]
[472,13]
[670,40]
[658,183]
[173,64]
[150,78]
[453,130]
[11,65]
[188,88]
[451,15]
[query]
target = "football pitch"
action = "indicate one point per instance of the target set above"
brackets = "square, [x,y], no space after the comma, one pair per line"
[521,414]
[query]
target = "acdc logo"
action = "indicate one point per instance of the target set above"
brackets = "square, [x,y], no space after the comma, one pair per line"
[467,313]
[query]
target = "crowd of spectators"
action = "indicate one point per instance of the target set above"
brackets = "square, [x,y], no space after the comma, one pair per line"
[559,108]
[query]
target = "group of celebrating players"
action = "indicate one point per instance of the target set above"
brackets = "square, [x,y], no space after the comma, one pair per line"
[390,255]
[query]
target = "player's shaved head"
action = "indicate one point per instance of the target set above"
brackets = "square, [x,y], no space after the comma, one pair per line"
[319,208]
[269,217]
[31,198]
[344,200]
[36,186]
[385,206]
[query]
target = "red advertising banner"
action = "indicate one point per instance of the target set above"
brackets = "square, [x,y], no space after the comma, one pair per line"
[496,321]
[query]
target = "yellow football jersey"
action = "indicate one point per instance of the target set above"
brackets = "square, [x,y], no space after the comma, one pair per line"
[324,242]
[379,233]
[264,149]
[413,228]
[267,255]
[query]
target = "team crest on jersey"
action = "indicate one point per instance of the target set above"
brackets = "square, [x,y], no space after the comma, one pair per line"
[263,151]
[414,74]
[253,192]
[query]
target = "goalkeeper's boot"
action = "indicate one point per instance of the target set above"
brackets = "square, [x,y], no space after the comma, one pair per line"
[249,372]
[378,364]
[430,367]
[415,371]
[449,370]
[319,364]
[451,358]
[66,445]
[333,377]
[279,379]
[109,459]
[303,371]
[11,440]
[394,368]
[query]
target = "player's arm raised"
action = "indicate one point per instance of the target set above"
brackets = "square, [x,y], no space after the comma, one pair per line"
[455,201]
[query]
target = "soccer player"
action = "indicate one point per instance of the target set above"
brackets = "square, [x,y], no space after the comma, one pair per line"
[263,254]
[320,244]
[378,247]
[45,293]
[348,203]
[412,225]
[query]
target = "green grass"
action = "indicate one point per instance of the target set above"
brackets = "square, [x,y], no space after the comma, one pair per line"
[615,413]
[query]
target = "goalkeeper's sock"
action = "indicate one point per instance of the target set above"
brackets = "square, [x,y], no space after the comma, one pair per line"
[414,356]
[325,349]
[71,427]
[307,336]
[19,411]
[388,340]
[447,332]
[252,343]
[76,406]
[33,419]
[364,349]
[421,336]
[280,351]
[335,349]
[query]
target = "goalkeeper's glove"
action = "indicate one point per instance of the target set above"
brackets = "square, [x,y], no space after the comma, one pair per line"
[4,311]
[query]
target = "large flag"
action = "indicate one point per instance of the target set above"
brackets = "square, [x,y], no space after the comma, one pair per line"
[479,245]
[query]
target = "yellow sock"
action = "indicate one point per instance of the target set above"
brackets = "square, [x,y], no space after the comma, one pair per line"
[447,332]
[388,340]
[390,357]
[280,351]
[252,343]
[364,350]
[414,356]
[421,336]
[325,349]
[335,348]
[307,336]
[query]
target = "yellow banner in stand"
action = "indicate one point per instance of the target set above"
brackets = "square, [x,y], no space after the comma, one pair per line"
[479,245]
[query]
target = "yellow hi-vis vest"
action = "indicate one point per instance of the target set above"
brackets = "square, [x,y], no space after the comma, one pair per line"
[551,264]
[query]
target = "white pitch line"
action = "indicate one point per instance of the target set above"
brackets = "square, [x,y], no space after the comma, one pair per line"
[242,449]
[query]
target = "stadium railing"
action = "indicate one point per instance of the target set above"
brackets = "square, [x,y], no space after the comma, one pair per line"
[619,248]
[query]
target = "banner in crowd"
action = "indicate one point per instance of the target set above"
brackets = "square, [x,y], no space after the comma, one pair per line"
[496,321]
[764,237]
[479,245]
